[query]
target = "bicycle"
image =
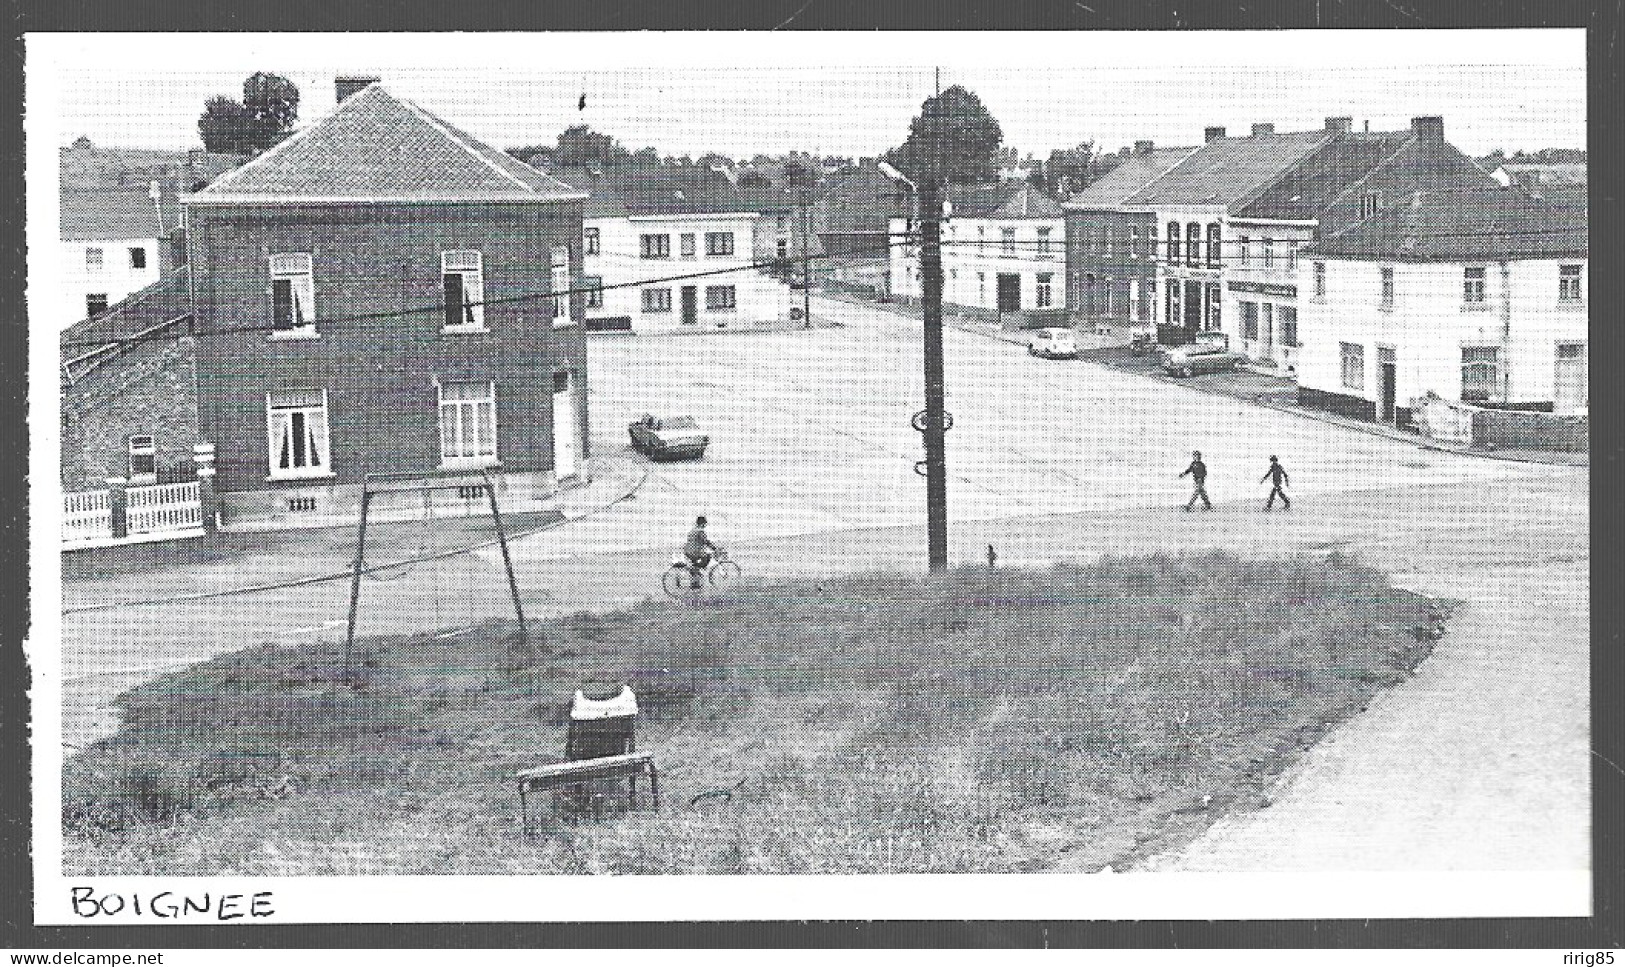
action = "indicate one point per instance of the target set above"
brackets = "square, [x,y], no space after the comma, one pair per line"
[684,578]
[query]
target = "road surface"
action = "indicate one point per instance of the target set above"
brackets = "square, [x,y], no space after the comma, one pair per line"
[1480,762]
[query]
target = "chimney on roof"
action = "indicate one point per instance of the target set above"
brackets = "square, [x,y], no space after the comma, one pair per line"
[347,85]
[1340,125]
[1429,127]
[1263,128]
[1212,134]
[1143,147]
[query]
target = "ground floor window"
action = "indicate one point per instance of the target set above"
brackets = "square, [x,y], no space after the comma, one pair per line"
[720,298]
[1044,290]
[656,300]
[143,459]
[1174,286]
[1213,297]
[1480,373]
[1289,326]
[297,421]
[1249,320]
[1353,356]
[468,424]
[95,304]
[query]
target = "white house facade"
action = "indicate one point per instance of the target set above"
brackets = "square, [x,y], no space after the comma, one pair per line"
[636,248]
[1003,251]
[101,272]
[1480,300]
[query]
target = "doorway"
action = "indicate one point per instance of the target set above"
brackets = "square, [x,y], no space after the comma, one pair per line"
[1009,292]
[1193,307]
[566,426]
[1569,393]
[1387,377]
[691,305]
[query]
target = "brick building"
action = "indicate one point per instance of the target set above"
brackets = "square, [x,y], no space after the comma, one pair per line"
[1110,251]
[1230,217]
[369,296]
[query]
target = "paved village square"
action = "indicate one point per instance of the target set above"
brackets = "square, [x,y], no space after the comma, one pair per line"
[377,297]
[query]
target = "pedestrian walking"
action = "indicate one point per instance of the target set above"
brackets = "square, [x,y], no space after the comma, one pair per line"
[1277,476]
[1198,474]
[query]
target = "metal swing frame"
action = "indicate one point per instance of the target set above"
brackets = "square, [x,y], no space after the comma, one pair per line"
[428,482]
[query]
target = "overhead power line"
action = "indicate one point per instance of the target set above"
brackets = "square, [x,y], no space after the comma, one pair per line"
[440,307]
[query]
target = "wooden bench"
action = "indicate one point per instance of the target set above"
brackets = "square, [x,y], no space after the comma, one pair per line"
[580,771]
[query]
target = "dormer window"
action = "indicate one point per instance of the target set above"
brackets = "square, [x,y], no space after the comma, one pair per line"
[293,295]
[462,277]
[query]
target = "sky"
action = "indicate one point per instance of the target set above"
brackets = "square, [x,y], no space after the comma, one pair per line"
[842,94]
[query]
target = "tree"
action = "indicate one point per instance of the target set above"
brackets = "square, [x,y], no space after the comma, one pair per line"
[797,173]
[953,139]
[1071,169]
[753,179]
[580,145]
[226,127]
[273,102]
[264,116]
[83,141]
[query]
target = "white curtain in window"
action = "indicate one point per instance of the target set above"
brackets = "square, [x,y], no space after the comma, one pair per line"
[467,421]
[298,425]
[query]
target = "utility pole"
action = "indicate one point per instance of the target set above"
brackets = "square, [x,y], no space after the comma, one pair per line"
[934,430]
[806,259]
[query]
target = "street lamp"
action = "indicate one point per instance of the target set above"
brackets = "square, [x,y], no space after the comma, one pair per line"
[932,422]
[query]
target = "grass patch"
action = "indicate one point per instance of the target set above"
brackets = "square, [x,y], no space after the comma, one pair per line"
[1012,720]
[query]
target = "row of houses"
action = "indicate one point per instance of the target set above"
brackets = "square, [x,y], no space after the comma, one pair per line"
[1375,268]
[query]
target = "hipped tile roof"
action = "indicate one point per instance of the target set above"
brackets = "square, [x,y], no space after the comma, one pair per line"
[375,147]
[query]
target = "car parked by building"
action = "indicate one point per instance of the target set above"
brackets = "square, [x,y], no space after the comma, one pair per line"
[669,438]
[1053,343]
[1202,356]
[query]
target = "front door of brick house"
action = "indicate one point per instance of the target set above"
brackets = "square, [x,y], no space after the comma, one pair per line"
[1009,292]
[566,427]
[691,305]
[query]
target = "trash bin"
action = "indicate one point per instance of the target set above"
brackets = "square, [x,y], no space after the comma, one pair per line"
[602,726]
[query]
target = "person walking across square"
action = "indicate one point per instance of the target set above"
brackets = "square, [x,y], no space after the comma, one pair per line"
[1198,474]
[1277,476]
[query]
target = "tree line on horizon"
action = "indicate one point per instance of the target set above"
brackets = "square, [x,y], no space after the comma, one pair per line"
[953,139]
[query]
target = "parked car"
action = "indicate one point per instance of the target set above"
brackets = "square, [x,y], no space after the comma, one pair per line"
[1203,356]
[669,438]
[1053,344]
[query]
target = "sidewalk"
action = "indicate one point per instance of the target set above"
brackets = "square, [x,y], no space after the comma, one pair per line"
[1272,392]
[234,562]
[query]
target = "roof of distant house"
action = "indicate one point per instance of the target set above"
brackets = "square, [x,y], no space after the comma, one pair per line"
[1312,184]
[1531,172]
[1132,175]
[1007,201]
[1226,170]
[653,190]
[105,193]
[1464,224]
[375,147]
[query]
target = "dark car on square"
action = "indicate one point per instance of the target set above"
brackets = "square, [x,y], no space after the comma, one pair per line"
[1209,353]
[668,438]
